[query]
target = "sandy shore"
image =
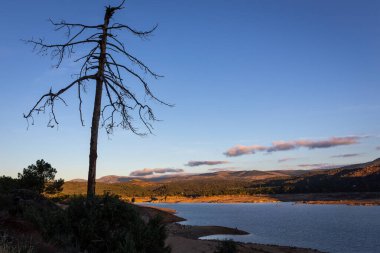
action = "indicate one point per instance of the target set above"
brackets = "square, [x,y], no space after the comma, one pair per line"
[319,198]
[184,238]
[184,245]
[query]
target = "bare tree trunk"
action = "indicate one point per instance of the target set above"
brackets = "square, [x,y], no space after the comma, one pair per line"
[100,65]
[94,140]
[97,107]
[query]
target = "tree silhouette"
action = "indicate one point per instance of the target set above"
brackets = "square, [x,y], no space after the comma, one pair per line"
[101,66]
[40,177]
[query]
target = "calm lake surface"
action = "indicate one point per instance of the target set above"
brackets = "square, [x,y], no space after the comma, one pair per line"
[329,228]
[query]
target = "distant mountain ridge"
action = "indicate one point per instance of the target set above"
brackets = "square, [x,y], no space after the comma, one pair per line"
[375,162]
[363,177]
[225,175]
[246,175]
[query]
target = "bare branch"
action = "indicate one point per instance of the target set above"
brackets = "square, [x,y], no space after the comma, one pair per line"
[121,107]
[58,50]
[141,34]
[63,23]
[141,107]
[134,60]
[100,65]
[115,8]
[80,103]
[146,87]
[49,98]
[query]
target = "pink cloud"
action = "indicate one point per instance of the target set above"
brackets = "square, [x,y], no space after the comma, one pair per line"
[320,166]
[285,159]
[332,142]
[313,165]
[148,172]
[344,155]
[223,169]
[199,163]
[244,150]
[281,146]
[290,145]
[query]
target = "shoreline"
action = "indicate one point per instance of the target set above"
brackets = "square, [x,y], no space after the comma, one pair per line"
[185,238]
[362,199]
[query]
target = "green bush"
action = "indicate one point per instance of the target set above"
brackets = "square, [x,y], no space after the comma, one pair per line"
[52,224]
[227,246]
[101,225]
[48,219]
[8,245]
[8,184]
[5,201]
[154,236]
[107,224]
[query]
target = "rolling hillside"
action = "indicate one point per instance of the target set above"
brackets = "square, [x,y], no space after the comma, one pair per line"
[354,178]
[246,175]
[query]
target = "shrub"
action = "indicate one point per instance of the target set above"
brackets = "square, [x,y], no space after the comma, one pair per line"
[48,219]
[104,224]
[6,201]
[9,245]
[154,236]
[51,223]
[227,246]
[107,224]
[8,184]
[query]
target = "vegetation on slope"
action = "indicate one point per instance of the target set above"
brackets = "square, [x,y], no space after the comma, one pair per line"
[102,224]
[352,179]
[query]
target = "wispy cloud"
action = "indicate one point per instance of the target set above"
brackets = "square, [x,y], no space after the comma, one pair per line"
[200,163]
[148,172]
[332,142]
[244,150]
[344,155]
[281,146]
[322,166]
[378,148]
[285,159]
[222,169]
[313,165]
[290,145]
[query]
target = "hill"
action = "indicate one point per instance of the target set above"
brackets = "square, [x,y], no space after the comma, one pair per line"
[363,177]
[353,178]
[246,175]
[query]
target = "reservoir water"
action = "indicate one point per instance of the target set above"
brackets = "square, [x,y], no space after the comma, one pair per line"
[329,228]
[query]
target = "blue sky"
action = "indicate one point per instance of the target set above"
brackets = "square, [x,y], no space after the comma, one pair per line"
[240,72]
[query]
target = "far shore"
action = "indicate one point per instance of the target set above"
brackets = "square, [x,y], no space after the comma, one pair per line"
[365,199]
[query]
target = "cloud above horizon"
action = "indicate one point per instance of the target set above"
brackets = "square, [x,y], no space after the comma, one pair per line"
[378,148]
[149,172]
[319,166]
[200,163]
[345,155]
[222,169]
[285,159]
[313,165]
[239,150]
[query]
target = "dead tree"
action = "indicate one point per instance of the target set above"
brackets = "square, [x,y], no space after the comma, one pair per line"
[101,66]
